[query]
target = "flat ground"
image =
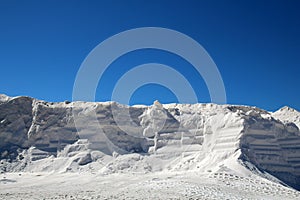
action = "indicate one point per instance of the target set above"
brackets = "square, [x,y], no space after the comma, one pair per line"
[162,185]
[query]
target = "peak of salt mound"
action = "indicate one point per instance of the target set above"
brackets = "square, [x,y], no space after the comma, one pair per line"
[4,98]
[287,109]
[157,104]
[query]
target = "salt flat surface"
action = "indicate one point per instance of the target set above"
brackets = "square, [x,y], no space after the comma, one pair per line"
[161,185]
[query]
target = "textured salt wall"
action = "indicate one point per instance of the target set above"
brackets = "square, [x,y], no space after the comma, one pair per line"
[272,146]
[15,121]
[212,132]
[26,122]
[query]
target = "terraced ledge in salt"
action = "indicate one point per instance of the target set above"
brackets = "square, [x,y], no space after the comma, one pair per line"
[38,136]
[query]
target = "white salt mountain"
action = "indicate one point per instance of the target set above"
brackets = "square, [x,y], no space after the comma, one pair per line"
[216,140]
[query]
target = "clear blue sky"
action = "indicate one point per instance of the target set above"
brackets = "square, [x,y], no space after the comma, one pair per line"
[255,44]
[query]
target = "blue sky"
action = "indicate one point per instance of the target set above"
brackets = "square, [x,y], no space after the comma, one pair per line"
[255,44]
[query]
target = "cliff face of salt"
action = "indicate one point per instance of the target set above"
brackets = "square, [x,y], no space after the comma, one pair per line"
[205,136]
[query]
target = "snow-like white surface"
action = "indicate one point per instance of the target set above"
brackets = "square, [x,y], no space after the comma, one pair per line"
[171,151]
[288,115]
[4,98]
[163,185]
